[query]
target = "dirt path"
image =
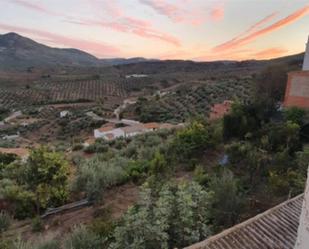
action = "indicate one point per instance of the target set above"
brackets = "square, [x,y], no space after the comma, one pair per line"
[117,200]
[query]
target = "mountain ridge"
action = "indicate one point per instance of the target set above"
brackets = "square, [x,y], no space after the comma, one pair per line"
[19,52]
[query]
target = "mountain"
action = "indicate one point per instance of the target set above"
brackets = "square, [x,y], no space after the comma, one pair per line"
[18,52]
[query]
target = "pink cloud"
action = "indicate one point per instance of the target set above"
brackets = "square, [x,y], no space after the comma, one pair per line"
[269,53]
[118,21]
[217,13]
[98,48]
[241,40]
[176,13]
[35,7]
[259,24]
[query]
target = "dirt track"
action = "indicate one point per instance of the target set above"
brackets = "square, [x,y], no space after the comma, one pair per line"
[117,200]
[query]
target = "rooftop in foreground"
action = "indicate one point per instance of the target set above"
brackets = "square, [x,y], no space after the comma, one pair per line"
[274,229]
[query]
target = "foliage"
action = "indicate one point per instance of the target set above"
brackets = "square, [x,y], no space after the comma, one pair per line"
[21,201]
[271,83]
[289,183]
[95,175]
[37,224]
[46,175]
[295,115]
[226,200]
[81,238]
[191,141]
[51,244]
[200,176]
[166,218]
[40,181]
[5,221]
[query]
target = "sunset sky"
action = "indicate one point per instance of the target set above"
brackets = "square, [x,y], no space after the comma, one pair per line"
[201,30]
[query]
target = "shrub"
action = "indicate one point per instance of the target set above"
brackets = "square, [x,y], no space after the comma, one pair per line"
[94,175]
[81,238]
[37,224]
[166,217]
[226,200]
[5,221]
[77,147]
[52,244]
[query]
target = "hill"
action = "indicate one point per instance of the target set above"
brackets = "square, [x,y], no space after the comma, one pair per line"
[18,52]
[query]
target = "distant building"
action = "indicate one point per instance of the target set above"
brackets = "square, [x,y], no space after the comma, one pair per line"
[131,131]
[297,89]
[219,110]
[136,76]
[64,114]
[109,132]
[13,116]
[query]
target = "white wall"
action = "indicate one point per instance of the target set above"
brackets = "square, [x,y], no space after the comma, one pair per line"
[306,60]
[303,229]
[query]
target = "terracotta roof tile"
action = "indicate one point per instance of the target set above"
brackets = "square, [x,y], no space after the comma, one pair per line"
[106,128]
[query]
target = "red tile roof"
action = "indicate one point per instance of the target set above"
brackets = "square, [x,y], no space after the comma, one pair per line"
[152,125]
[219,110]
[106,128]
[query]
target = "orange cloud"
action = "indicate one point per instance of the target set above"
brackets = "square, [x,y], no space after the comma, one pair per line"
[98,48]
[269,53]
[240,40]
[217,13]
[118,21]
[261,23]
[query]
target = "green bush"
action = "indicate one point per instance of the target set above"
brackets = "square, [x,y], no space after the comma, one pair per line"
[94,175]
[52,244]
[5,221]
[37,224]
[81,238]
[166,217]
[77,147]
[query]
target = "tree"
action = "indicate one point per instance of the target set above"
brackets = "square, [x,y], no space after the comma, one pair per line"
[46,175]
[191,141]
[271,83]
[226,200]
[5,221]
[168,217]
[295,115]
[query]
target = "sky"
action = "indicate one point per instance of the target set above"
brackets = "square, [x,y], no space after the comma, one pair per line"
[201,30]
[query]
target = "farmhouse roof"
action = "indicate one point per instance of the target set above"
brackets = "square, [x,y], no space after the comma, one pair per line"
[167,126]
[218,110]
[133,128]
[106,128]
[110,136]
[21,152]
[273,229]
[152,125]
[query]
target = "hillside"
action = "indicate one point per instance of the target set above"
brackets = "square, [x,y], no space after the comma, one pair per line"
[18,52]
[21,53]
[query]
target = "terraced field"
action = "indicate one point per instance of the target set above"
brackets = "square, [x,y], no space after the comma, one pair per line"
[190,100]
[63,92]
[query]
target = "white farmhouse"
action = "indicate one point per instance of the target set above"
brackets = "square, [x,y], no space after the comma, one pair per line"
[108,133]
[131,131]
[63,114]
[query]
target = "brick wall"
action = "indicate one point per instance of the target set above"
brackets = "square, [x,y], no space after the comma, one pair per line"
[297,90]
